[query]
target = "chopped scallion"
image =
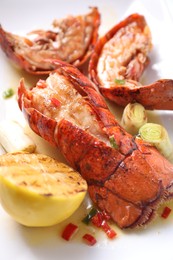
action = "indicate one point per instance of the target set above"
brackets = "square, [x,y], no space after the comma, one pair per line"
[113,142]
[119,81]
[90,215]
[8,93]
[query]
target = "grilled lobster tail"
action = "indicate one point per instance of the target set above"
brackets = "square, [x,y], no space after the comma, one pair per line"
[127,178]
[118,61]
[72,40]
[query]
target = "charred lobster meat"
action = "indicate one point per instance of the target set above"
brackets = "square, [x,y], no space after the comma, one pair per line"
[127,177]
[71,39]
[118,62]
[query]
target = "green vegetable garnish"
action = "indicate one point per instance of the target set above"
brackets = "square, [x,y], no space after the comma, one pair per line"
[157,135]
[113,142]
[134,116]
[119,81]
[8,93]
[90,215]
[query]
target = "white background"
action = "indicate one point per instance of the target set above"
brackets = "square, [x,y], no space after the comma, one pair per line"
[154,242]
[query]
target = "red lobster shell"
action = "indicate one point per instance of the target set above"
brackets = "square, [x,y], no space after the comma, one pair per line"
[118,61]
[72,40]
[127,178]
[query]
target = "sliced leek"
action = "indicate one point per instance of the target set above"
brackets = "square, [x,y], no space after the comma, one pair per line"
[157,135]
[13,138]
[134,116]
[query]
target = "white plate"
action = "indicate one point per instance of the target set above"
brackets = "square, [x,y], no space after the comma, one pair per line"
[154,242]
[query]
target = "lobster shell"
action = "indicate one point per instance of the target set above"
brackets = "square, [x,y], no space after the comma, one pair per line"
[127,89]
[128,181]
[32,54]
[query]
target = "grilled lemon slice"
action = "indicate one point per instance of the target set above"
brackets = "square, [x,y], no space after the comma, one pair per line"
[38,191]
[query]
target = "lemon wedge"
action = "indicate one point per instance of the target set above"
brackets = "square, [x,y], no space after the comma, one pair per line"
[37,190]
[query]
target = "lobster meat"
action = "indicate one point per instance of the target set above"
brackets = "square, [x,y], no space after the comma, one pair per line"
[127,178]
[71,39]
[119,60]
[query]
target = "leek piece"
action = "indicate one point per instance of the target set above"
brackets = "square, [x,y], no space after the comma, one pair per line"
[157,135]
[13,138]
[134,116]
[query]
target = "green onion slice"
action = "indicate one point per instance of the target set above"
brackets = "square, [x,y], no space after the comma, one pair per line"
[90,215]
[113,142]
[8,93]
[119,81]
